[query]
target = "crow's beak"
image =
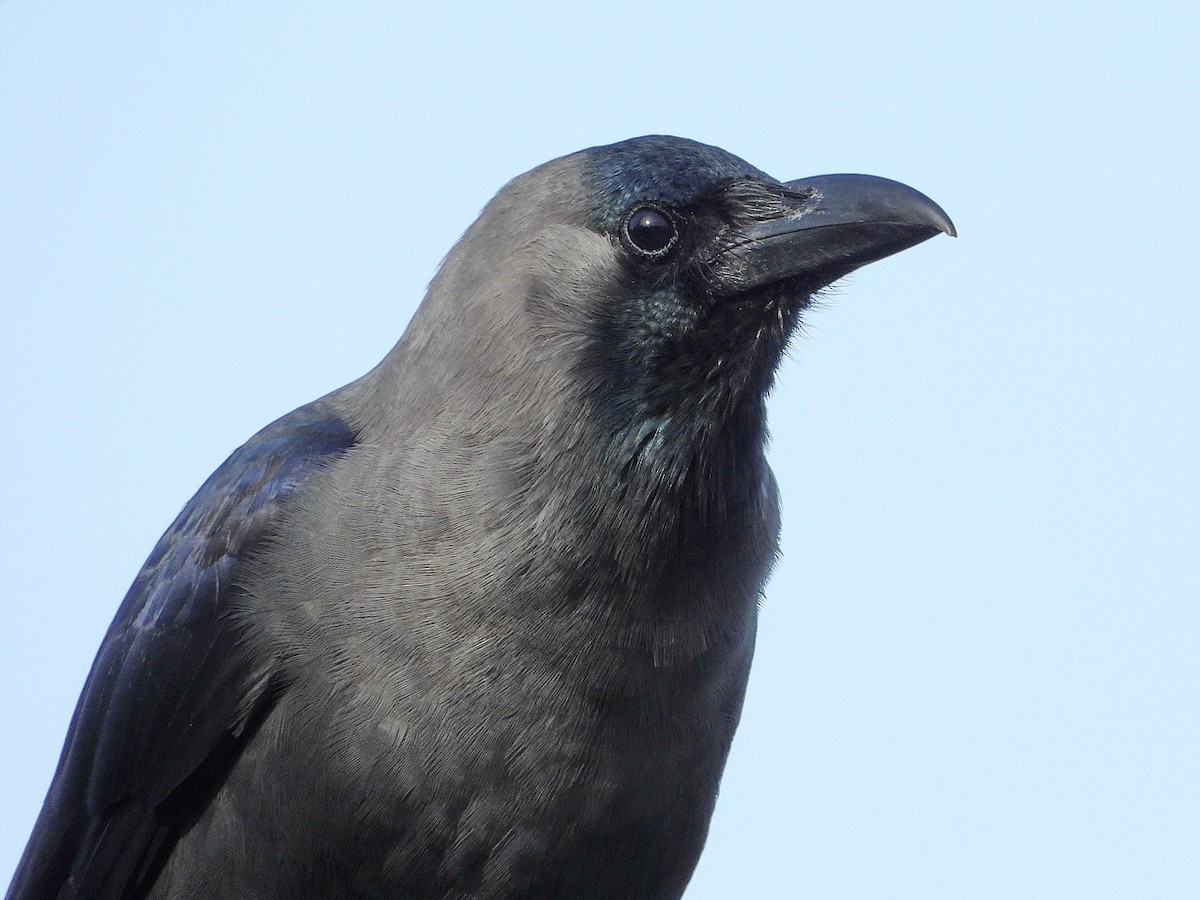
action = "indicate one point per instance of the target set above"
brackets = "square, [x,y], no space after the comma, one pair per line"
[835,224]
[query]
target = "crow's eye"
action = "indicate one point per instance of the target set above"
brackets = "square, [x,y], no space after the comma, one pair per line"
[650,231]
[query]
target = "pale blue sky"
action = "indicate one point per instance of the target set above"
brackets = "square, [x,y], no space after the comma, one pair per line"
[977,673]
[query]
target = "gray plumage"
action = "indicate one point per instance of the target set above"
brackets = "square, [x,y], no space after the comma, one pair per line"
[479,624]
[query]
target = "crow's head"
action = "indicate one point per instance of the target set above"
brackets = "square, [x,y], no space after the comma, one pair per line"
[654,282]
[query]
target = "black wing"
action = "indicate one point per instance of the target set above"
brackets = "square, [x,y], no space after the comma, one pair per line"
[173,691]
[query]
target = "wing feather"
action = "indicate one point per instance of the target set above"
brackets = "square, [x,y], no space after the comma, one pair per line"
[173,691]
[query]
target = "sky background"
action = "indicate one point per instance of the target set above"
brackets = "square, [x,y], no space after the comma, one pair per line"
[977,672]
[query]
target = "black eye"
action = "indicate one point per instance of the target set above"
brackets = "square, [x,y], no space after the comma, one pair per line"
[650,231]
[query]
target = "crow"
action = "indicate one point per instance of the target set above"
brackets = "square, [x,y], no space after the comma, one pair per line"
[478,624]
